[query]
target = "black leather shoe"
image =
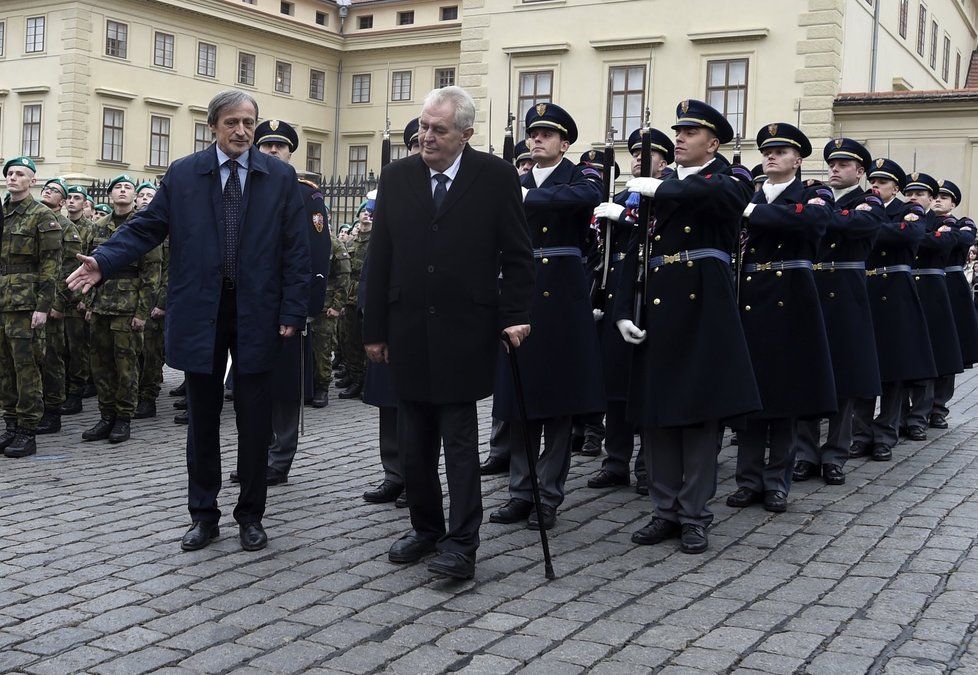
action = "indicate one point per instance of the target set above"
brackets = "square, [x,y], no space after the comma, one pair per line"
[182,418]
[233,477]
[642,485]
[401,501]
[591,447]
[100,431]
[387,491]
[342,381]
[452,564]
[71,406]
[89,391]
[657,531]
[693,539]
[606,479]
[803,471]
[23,445]
[493,466]
[252,536]
[50,423]
[832,474]
[882,453]
[859,449]
[577,443]
[733,439]
[744,497]
[353,391]
[180,390]
[145,410]
[199,535]
[410,549]
[513,511]
[775,501]
[120,431]
[228,394]
[938,421]
[902,432]
[320,399]
[275,478]
[8,436]
[180,404]
[549,515]
[916,434]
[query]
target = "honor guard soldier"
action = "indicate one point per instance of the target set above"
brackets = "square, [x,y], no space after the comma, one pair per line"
[53,196]
[77,341]
[118,310]
[615,352]
[840,274]
[560,363]
[30,269]
[692,368]
[524,159]
[930,279]
[782,319]
[962,304]
[758,175]
[152,357]
[902,339]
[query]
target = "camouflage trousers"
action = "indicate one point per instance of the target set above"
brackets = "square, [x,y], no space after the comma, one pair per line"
[115,364]
[78,347]
[323,330]
[151,361]
[21,359]
[53,368]
[351,345]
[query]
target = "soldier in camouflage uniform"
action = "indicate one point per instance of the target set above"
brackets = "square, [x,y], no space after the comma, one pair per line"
[324,326]
[53,196]
[77,340]
[351,333]
[30,264]
[151,359]
[118,310]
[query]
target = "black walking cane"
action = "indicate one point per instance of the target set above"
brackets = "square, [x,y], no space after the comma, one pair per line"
[531,459]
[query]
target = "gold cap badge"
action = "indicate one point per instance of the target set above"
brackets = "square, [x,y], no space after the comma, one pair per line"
[273,125]
[879,163]
[772,129]
[541,109]
[838,143]
[684,106]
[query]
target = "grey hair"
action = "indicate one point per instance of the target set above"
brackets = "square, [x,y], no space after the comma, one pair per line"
[460,99]
[229,98]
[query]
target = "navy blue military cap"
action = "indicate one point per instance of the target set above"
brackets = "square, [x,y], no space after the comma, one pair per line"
[660,143]
[846,148]
[887,169]
[595,159]
[784,135]
[522,152]
[951,190]
[921,181]
[276,131]
[551,116]
[693,113]
[411,133]
[758,174]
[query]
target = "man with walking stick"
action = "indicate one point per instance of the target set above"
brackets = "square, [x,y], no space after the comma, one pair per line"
[447,222]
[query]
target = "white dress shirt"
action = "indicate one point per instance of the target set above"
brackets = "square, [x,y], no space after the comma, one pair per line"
[226,172]
[451,172]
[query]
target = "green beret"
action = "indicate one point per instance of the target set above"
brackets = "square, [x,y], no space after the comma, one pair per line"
[20,161]
[121,178]
[104,208]
[79,190]
[62,185]
[145,184]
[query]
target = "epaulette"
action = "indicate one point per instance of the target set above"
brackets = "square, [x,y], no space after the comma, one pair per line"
[813,182]
[309,183]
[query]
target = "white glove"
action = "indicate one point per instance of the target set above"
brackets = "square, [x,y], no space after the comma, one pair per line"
[598,314]
[525,191]
[630,332]
[749,209]
[609,210]
[645,186]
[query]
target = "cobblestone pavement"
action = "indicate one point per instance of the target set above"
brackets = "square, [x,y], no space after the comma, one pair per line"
[879,575]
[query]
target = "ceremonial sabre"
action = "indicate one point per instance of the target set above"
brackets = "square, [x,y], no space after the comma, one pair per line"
[599,295]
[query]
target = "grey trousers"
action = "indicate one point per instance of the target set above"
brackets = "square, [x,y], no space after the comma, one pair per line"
[619,443]
[943,392]
[499,439]
[753,471]
[389,457]
[285,434]
[552,464]
[837,442]
[682,464]
[918,404]
[881,430]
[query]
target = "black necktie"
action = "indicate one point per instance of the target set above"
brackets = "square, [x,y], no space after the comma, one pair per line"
[440,190]
[232,215]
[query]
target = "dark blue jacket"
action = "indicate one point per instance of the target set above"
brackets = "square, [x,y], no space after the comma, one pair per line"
[273,258]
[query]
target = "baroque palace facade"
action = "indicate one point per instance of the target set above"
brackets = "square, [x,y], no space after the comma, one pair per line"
[91,88]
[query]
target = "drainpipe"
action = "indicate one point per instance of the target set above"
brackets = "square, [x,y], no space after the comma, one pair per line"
[336,119]
[876,39]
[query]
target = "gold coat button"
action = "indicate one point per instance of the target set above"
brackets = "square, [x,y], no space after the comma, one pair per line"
[689,263]
[831,294]
[747,308]
[611,295]
[753,250]
[545,261]
[885,275]
[658,237]
[832,245]
[546,294]
[655,269]
[780,303]
[779,245]
[882,252]
[656,301]
[544,230]
[692,296]
[748,279]
[687,229]
[916,278]
[779,273]
[883,298]
[611,269]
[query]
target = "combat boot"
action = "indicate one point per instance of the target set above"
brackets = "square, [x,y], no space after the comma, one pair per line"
[71,406]
[23,445]
[100,431]
[120,430]
[144,410]
[180,390]
[7,437]
[50,423]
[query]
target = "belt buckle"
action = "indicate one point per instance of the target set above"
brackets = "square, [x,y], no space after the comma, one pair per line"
[872,273]
[764,267]
[820,266]
[672,258]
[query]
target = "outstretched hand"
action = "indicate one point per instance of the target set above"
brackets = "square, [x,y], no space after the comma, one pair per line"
[87,275]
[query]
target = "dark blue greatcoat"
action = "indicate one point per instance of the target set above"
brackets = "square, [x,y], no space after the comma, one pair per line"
[273,258]
[560,361]
[780,310]
[694,365]
[959,290]
[850,234]
[934,251]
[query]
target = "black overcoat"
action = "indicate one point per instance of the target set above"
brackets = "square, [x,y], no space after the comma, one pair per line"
[780,310]
[694,365]
[560,363]
[934,251]
[378,381]
[434,295]
[959,290]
